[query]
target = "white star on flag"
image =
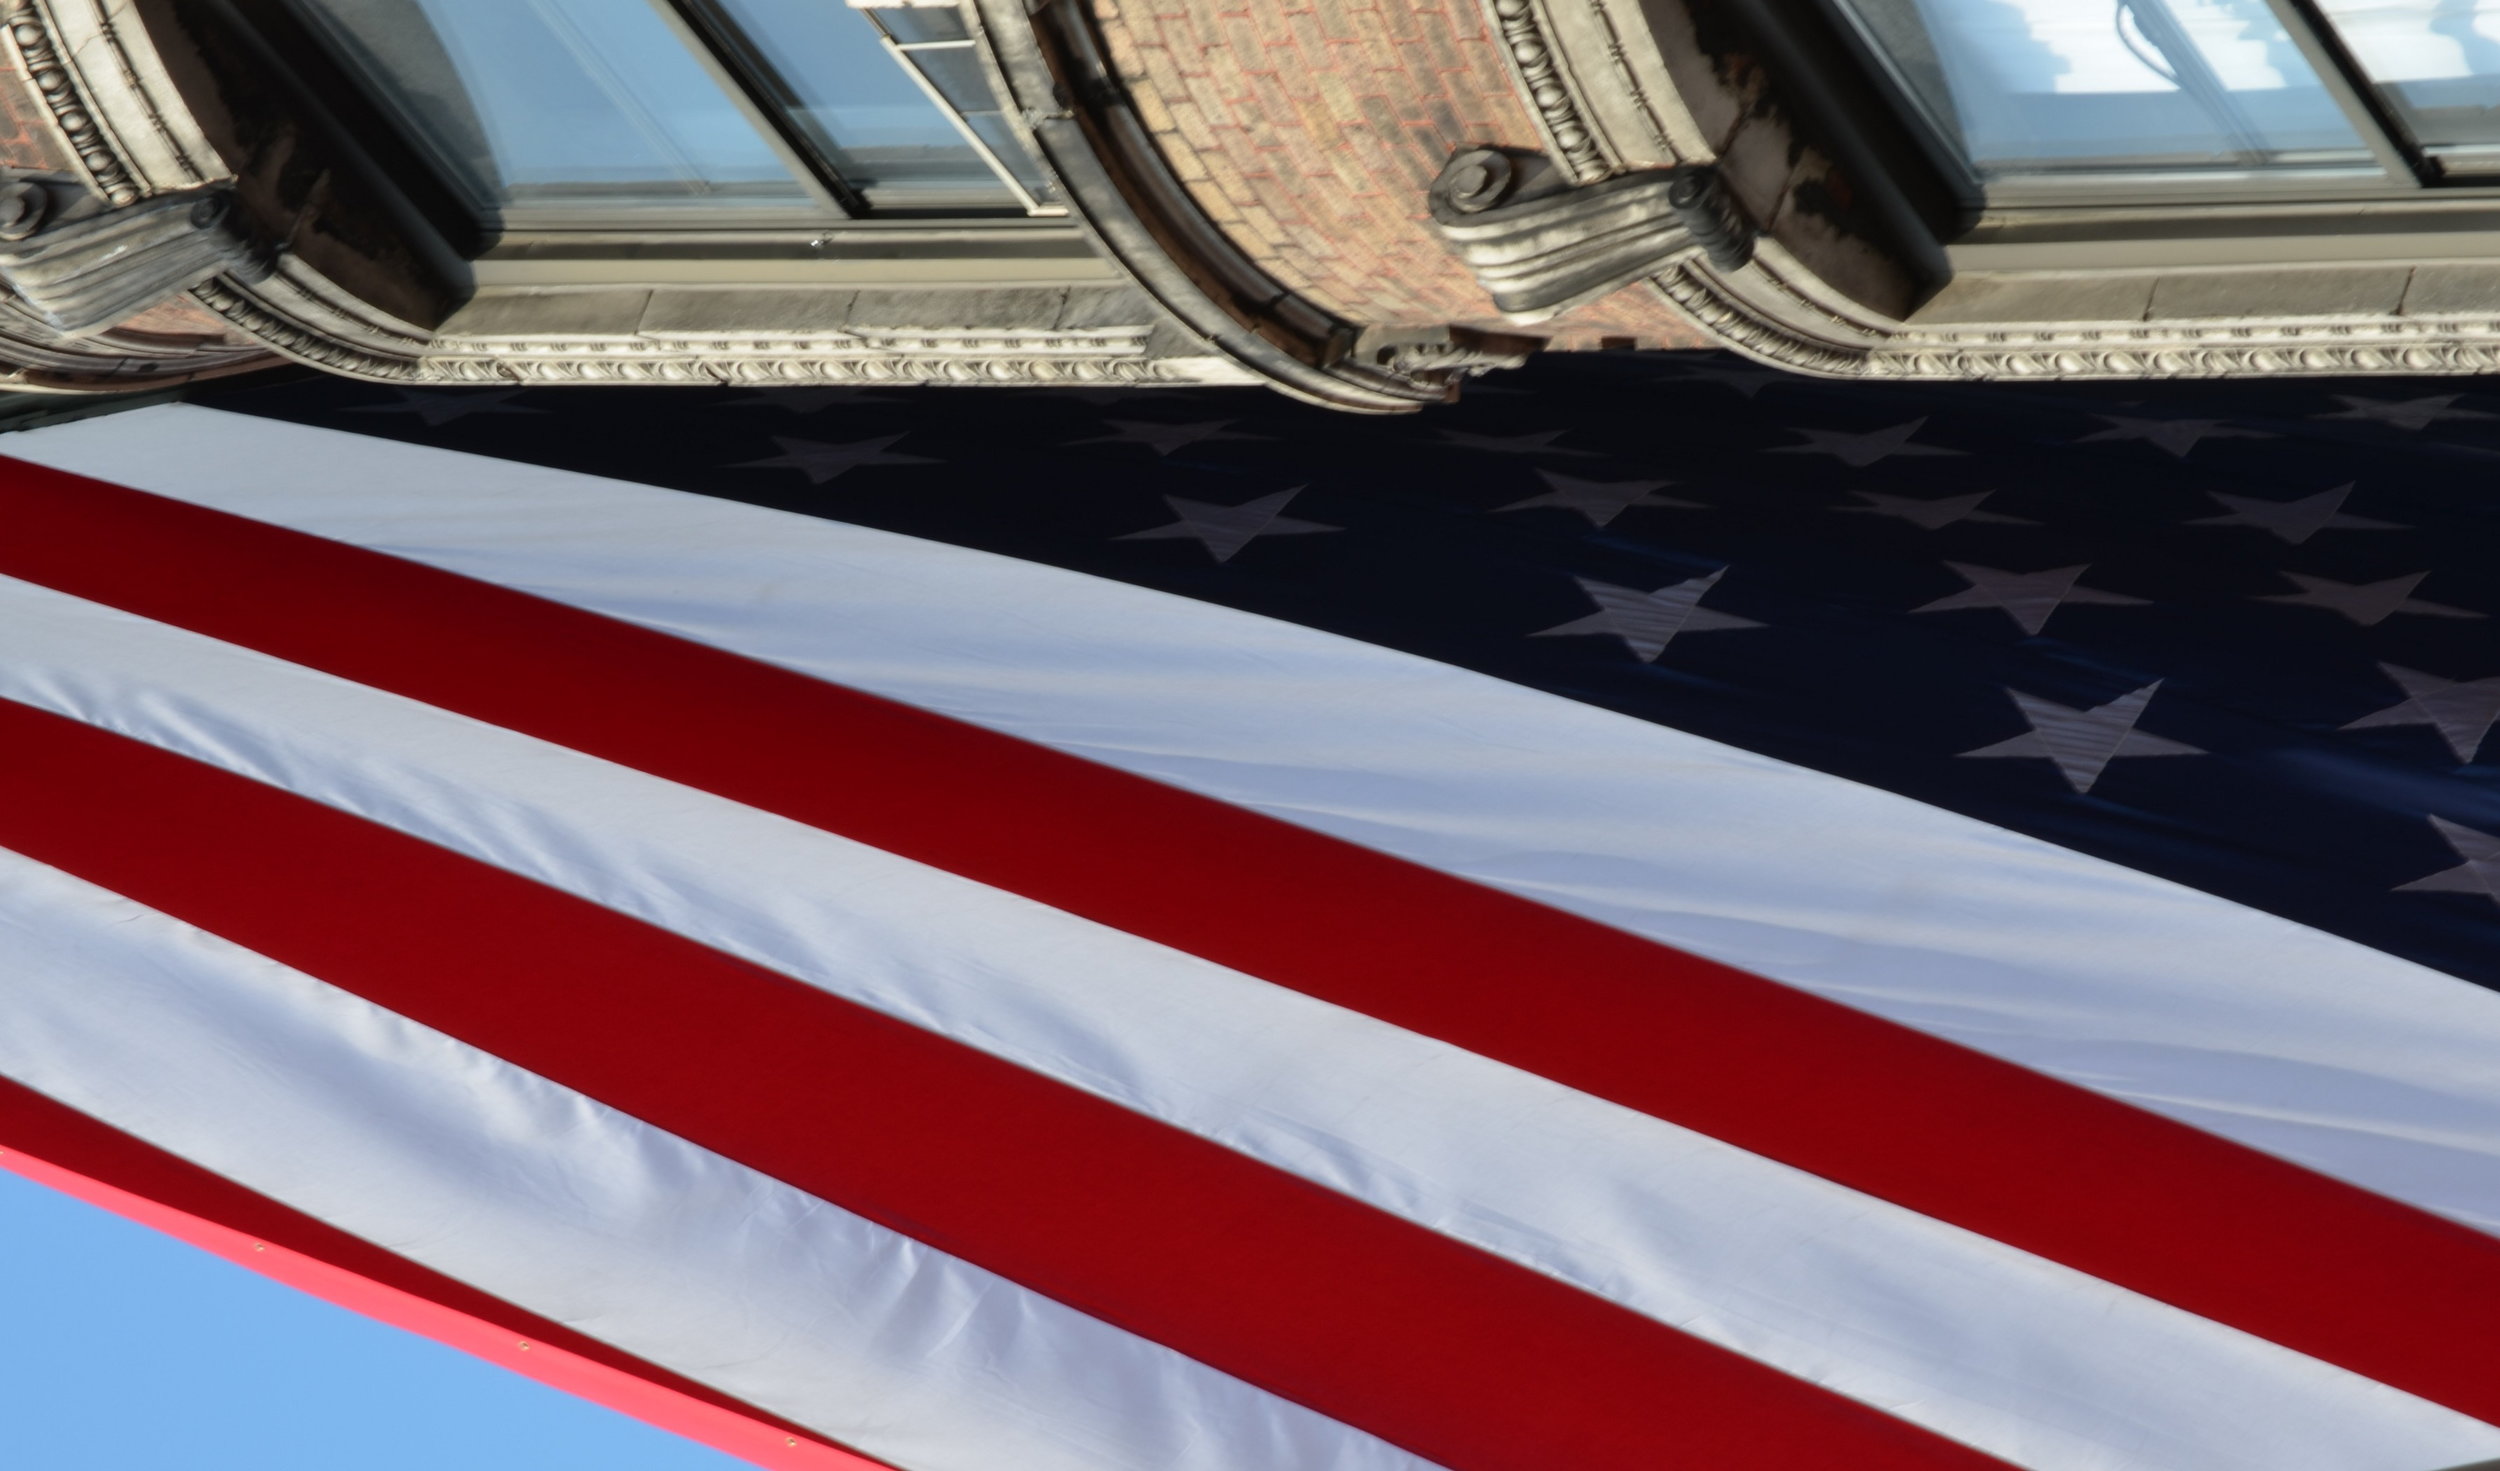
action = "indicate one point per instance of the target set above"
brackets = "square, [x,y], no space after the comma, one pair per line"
[2461,710]
[1861,450]
[2478,874]
[1164,438]
[2082,743]
[1648,621]
[2402,413]
[1930,513]
[437,407]
[1224,530]
[2294,521]
[1600,500]
[820,461]
[2365,603]
[2029,598]
[2174,437]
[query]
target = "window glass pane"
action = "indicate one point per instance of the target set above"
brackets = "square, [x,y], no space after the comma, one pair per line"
[2041,88]
[956,71]
[2437,62]
[912,23]
[859,100]
[539,107]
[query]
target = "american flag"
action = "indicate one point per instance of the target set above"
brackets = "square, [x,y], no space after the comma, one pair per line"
[1669,915]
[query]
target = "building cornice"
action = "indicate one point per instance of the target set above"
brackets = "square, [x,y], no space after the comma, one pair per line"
[2357,345]
[282,306]
[1776,310]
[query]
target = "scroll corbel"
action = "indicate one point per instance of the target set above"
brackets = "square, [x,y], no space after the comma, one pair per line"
[82,273]
[1540,245]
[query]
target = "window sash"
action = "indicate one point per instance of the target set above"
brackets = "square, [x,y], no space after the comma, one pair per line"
[2433,70]
[2348,59]
[672,114]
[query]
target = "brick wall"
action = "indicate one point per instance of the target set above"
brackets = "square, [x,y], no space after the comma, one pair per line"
[1310,130]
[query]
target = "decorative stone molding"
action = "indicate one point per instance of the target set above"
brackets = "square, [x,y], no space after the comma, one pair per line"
[1635,80]
[704,363]
[1780,313]
[1527,41]
[31,33]
[1106,356]
[1071,357]
[1444,352]
[248,315]
[106,268]
[997,356]
[1813,340]
[1540,246]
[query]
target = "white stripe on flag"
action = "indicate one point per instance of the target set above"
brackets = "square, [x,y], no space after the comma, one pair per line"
[478,1169]
[2033,1362]
[2325,1052]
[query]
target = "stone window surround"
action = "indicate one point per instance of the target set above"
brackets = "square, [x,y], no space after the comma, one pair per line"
[2401,283]
[988,300]
[2090,292]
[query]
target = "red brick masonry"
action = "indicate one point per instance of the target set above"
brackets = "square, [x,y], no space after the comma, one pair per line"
[1310,129]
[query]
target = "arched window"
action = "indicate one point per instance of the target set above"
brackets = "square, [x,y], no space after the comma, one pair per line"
[2034,101]
[604,112]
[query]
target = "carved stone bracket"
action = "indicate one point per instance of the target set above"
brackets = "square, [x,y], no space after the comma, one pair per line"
[1075,357]
[1540,245]
[1804,335]
[1442,354]
[88,273]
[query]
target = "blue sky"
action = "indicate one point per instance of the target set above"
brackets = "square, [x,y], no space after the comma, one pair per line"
[124,1350]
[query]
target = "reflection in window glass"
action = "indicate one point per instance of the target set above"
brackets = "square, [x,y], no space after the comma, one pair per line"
[553,106]
[2437,62]
[858,99]
[2039,88]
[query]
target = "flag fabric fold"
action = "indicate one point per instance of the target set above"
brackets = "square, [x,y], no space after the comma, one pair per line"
[978,1012]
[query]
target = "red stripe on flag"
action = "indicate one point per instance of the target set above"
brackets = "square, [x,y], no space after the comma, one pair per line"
[169,1194]
[1458,1355]
[2378,1287]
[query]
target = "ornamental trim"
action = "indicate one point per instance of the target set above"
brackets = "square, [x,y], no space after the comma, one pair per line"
[1527,43]
[2357,346]
[32,33]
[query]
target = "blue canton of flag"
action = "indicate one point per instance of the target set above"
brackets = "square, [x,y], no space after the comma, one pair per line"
[2286,588]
